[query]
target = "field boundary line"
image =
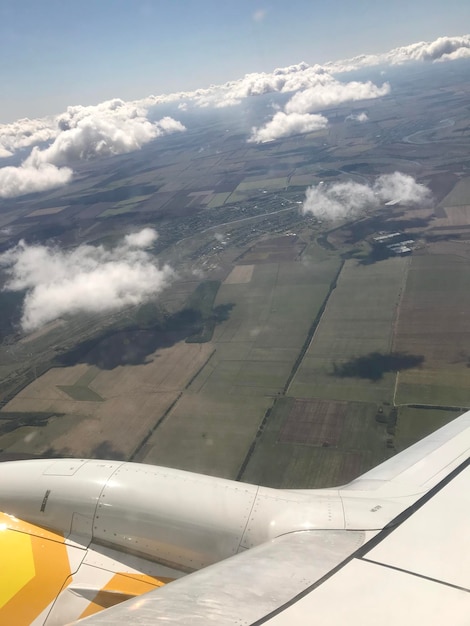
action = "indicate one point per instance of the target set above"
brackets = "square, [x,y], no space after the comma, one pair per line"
[312,331]
[154,428]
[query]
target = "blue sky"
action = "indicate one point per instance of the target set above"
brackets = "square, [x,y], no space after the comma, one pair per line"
[54,53]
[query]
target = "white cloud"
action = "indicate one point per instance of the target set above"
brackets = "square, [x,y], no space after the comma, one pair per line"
[285,125]
[4,153]
[297,116]
[358,117]
[333,94]
[112,127]
[17,181]
[460,53]
[115,126]
[142,239]
[349,199]
[25,132]
[303,76]
[86,279]
[398,187]
[439,50]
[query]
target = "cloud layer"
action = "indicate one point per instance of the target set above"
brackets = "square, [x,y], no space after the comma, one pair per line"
[24,133]
[303,76]
[17,181]
[88,279]
[112,127]
[284,125]
[349,200]
[297,116]
[115,126]
[440,50]
[358,117]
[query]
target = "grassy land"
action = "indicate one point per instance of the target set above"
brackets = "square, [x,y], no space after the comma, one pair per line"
[434,323]
[264,183]
[444,386]
[117,409]
[207,433]
[414,424]
[201,302]
[218,199]
[80,393]
[358,321]
[213,425]
[361,445]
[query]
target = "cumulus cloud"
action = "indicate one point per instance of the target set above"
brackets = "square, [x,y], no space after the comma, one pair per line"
[24,133]
[439,50]
[285,125]
[89,278]
[358,117]
[303,76]
[347,200]
[297,116]
[112,127]
[115,126]
[142,239]
[17,181]
[334,93]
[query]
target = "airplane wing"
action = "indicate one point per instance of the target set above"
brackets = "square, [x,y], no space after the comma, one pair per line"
[414,570]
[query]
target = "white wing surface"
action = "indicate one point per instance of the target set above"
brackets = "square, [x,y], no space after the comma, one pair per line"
[414,569]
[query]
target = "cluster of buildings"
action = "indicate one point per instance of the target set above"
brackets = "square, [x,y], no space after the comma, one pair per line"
[395,242]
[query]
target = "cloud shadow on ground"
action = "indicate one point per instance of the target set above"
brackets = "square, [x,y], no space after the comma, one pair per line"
[373,366]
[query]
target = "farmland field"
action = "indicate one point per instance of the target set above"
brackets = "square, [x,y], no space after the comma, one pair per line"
[413,424]
[303,348]
[240,274]
[357,322]
[213,424]
[358,443]
[264,183]
[434,323]
[460,194]
[118,406]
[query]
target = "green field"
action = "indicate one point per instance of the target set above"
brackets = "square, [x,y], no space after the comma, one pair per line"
[206,433]
[288,465]
[81,393]
[125,206]
[357,322]
[263,183]
[214,423]
[434,323]
[218,199]
[413,424]
[201,305]
[442,386]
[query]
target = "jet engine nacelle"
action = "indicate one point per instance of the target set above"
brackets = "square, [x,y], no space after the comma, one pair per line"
[178,518]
